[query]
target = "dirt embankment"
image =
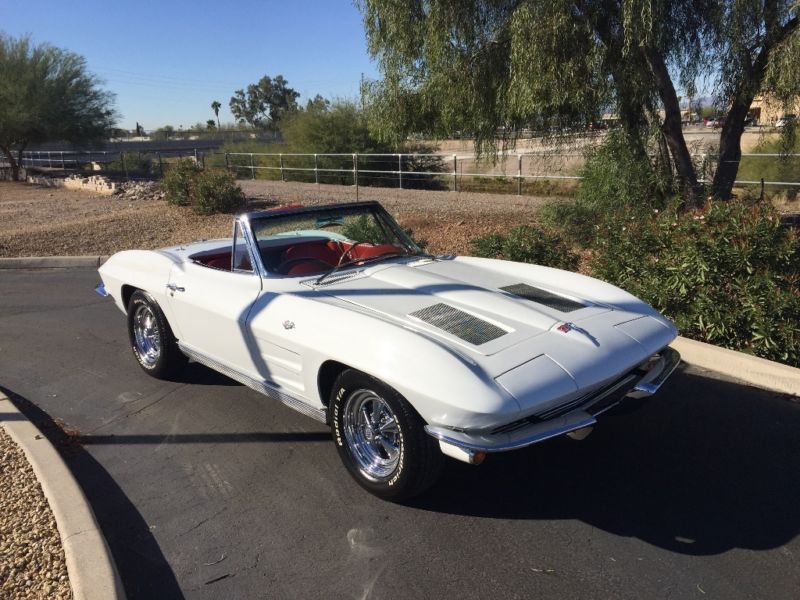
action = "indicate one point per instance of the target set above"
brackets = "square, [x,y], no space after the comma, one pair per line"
[40,221]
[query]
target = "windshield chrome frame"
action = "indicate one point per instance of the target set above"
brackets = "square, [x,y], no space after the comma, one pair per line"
[369,207]
[250,242]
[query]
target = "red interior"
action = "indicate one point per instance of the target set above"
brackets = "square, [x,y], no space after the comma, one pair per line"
[303,258]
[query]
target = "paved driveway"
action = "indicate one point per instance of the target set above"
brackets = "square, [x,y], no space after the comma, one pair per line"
[208,490]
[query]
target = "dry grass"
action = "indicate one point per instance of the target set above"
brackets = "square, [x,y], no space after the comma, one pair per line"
[39,221]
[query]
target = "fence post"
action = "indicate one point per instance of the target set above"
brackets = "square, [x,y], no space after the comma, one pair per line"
[124,166]
[50,159]
[195,156]
[160,164]
[519,175]
[62,160]
[400,169]
[280,158]
[455,173]
[355,173]
[227,166]
[316,170]
[252,166]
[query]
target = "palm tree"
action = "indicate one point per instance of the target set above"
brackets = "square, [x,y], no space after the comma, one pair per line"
[215,106]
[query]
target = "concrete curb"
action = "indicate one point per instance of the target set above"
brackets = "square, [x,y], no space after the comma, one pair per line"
[92,572]
[750,369]
[51,262]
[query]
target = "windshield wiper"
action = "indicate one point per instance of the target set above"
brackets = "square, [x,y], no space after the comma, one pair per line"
[363,261]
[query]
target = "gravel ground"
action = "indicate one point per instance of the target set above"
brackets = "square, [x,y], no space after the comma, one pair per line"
[41,221]
[32,561]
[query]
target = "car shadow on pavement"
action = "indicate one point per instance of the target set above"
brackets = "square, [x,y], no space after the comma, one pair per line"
[706,466]
[142,567]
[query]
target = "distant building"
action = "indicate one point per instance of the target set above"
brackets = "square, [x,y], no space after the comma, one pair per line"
[767,110]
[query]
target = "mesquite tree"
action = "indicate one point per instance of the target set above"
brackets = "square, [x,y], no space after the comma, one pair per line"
[504,65]
[47,94]
[264,103]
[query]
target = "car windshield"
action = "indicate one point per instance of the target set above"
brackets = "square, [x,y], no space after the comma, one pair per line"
[317,241]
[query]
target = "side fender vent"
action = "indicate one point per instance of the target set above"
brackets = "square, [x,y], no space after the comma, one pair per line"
[540,296]
[459,323]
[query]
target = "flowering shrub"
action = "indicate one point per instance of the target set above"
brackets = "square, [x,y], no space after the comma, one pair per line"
[527,244]
[728,275]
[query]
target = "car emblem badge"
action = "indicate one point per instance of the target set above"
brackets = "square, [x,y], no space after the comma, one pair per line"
[566,327]
[288,324]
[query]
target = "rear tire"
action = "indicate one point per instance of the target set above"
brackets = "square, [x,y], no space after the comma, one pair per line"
[381,439]
[152,341]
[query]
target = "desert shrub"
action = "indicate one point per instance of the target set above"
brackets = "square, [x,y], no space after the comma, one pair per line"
[529,245]
[177,181]
[207,192]
[618,182]
[728,275]
[616,176]
[576,221]
[215,191]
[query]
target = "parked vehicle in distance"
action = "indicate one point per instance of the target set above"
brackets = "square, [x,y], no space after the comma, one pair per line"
[716,122]
[785,120]
[337,313]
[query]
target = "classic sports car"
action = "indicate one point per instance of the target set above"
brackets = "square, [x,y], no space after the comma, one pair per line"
[337,313]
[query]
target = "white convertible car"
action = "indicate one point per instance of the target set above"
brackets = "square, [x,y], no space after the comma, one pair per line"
[337,313]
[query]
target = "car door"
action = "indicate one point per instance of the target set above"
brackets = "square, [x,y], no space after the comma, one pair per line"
[211,307]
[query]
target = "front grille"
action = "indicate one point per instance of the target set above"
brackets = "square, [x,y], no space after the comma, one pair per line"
[459,323]
[540,296]
[594,403]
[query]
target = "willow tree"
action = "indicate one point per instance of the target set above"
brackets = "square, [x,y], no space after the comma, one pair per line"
[47,94]
[502,65]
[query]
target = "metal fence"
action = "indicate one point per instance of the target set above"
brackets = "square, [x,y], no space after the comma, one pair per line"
[79,160]
[410,170]
[451,167]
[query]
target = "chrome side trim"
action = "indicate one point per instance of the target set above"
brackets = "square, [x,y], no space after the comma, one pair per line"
[533,434]
[100,289]
[262,387]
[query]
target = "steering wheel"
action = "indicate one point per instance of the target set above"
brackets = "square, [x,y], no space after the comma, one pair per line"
[283,268]
[347,252]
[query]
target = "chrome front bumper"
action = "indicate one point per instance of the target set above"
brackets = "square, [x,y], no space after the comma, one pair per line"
[582,416]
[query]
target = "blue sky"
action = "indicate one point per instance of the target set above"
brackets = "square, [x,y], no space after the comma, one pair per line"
[168,60]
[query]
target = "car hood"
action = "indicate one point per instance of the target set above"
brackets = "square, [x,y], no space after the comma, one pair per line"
[503,315]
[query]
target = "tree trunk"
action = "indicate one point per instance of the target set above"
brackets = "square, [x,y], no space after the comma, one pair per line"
[19,160]
[730,148]
[673,131]
[9,153]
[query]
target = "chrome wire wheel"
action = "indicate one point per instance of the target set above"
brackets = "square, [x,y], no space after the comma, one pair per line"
[147,337]
[372,434]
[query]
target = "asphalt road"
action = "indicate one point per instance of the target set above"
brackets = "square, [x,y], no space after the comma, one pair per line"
[206,489]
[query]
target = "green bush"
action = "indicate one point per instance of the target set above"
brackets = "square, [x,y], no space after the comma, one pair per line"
[728,275]
[618,183]
[207,192]
[529,245]
[216,191]
[177,181]
[131,162]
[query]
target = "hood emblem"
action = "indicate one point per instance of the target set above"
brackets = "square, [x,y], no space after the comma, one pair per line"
[567,327]
[288,324]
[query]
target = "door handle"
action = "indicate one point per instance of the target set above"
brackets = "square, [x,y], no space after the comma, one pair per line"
[175,288]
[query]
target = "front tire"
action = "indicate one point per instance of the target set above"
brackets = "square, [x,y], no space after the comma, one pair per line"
[381,439]
[152,341]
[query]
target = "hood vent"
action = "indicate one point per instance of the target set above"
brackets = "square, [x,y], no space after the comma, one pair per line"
[540,296]
[459,323]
